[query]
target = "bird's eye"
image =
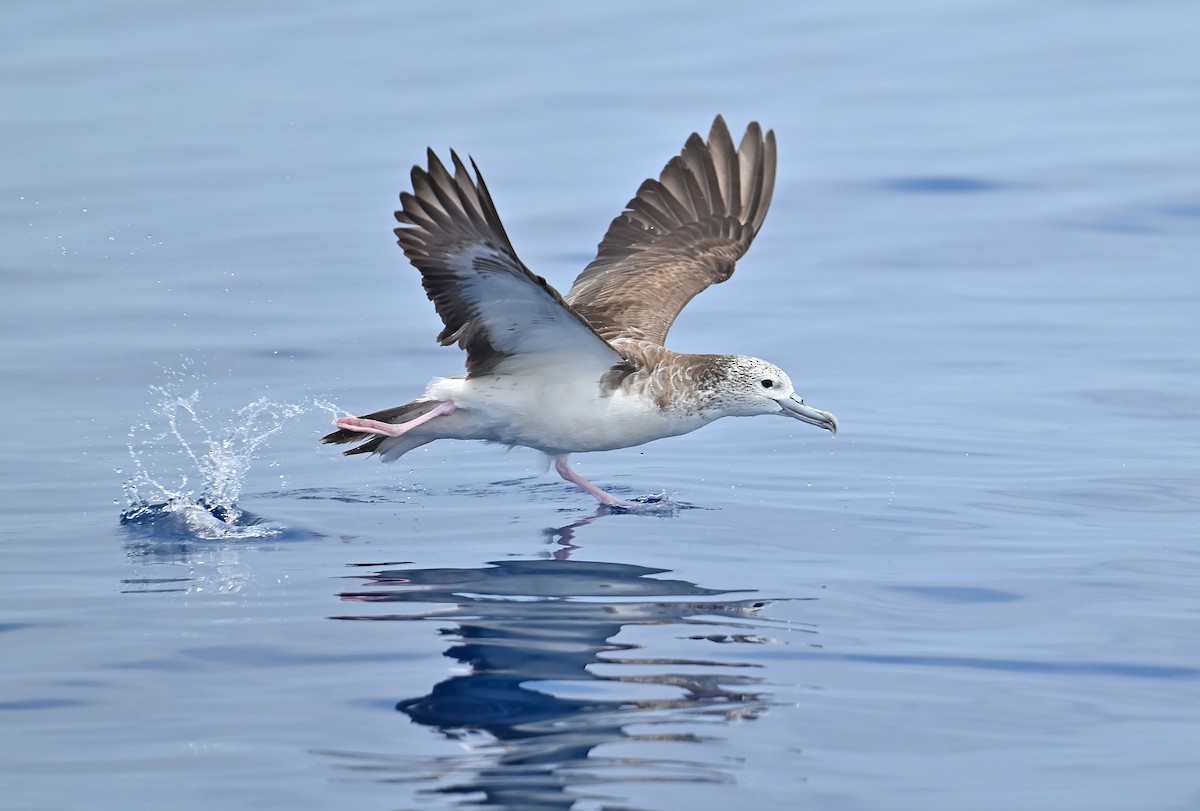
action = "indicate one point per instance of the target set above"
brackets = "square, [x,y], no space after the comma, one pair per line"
[768,383]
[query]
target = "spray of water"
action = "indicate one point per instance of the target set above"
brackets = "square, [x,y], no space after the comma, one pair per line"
[211,456]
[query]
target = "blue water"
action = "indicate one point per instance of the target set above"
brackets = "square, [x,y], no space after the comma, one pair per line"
[980,256]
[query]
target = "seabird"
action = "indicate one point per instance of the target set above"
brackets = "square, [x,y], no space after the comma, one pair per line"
[586,371]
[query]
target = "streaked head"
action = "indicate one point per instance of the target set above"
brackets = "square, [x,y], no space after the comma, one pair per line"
[752,386]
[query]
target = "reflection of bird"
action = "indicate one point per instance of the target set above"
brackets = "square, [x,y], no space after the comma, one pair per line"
[587,371]
[552,679]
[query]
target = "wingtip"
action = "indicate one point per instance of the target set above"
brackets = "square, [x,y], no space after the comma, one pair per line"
[459,168]
[431,161]
[719,130]
[753,134]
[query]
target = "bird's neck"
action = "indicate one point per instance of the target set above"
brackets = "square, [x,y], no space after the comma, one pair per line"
[676,381]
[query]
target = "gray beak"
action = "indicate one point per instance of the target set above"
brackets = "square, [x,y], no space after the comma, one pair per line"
[795,407]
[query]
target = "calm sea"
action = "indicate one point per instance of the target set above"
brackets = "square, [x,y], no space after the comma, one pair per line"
[981,256]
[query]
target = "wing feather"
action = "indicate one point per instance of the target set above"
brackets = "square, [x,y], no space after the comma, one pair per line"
[678,235]
[493,306]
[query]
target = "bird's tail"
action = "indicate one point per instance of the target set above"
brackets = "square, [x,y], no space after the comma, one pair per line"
[390,447]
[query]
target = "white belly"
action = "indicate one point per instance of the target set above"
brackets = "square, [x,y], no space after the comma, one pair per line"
[563,416]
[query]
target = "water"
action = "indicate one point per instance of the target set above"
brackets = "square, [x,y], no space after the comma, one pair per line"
[982,594]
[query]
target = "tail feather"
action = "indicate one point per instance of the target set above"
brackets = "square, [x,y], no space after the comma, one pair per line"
[371,446]
[375,443]
[390,448]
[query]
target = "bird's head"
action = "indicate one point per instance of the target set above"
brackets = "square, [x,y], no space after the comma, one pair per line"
[752,386]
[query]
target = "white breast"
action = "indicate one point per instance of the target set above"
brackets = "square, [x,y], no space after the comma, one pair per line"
[563,413]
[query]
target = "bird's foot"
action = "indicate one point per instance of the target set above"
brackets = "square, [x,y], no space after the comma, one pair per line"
[366,426]
[606,499]
[609,500]
[648,505]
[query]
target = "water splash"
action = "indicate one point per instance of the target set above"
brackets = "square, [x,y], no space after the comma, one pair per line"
[216,455]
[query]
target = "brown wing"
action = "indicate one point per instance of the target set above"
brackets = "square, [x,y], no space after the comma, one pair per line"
[680,234]
[493,306]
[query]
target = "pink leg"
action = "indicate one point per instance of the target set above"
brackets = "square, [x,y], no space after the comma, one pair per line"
[394,429]
[564,470]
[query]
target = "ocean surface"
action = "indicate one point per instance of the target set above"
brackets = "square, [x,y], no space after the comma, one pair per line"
[982,256]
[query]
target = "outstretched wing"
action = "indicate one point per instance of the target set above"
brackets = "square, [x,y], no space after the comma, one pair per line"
[493,306]
[680,234]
